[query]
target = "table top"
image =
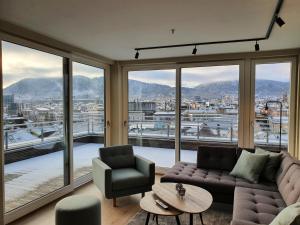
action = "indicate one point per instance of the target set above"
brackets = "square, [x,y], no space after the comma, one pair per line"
[196,199]
[148,204]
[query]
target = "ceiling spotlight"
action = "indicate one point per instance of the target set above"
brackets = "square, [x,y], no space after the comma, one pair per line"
[256,46]
[194,50]
[137,54]
[279,21]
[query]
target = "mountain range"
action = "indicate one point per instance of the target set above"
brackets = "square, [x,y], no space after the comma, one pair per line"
[84,87]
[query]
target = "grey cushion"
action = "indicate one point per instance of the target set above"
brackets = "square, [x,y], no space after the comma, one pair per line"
[249,166]
[78,210]
[118,157]
[128,178]
[271,166]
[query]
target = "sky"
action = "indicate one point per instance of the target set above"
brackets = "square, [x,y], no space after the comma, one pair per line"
[22,62]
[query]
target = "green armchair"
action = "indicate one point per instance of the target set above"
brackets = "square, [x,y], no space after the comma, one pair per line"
[118,172]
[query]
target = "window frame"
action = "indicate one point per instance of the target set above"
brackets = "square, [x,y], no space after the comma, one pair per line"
[178,67]
[292,127]
[70,183]
[88,177]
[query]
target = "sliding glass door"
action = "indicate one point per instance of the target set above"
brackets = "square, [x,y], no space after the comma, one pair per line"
[33,114]
[88,116]
[209,108]
[272,104]
[151,115]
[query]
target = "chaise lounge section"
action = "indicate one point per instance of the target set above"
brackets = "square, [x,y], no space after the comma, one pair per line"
[252,203]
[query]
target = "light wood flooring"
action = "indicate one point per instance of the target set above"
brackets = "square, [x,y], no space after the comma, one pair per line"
[127,208]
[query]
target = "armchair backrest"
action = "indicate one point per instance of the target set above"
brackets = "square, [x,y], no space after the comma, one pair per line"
[118,157]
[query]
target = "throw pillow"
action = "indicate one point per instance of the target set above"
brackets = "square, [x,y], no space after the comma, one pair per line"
[288,216]
[249,166]
[271,166]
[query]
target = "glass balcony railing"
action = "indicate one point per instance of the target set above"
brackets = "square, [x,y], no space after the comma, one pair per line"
[35,133]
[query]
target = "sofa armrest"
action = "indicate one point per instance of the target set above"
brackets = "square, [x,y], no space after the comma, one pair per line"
[146,166]
[102,177]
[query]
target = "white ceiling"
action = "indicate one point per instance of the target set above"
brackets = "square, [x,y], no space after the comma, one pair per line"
[113,28]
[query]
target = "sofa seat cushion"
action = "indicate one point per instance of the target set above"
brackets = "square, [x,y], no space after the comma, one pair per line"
[127,178]
[215,181]
[212,180]
[256,206]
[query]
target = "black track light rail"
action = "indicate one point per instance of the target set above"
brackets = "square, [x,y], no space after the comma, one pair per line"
[267,36]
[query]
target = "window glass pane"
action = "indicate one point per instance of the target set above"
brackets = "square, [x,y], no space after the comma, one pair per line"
[151,112]
[209,107]
[88,116]
[33,124]
[272,87]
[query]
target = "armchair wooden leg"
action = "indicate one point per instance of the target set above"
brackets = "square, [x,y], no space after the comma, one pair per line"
[143,194]
[114,202]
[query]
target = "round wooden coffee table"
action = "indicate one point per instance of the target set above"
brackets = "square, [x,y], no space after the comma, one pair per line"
[148,204]
[195,201]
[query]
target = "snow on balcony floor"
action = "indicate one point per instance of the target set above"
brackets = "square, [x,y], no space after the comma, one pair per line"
[29,179]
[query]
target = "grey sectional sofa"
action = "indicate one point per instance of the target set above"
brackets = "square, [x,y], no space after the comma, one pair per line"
[252,203]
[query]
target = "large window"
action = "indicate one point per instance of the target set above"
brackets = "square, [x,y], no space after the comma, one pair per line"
[151,115]
[88,116]
[209,107]
[272,89]
[33,124]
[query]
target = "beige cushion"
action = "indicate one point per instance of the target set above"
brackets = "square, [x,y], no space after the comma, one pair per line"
[288,216]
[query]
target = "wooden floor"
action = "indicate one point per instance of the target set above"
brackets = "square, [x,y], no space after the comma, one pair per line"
[127,208]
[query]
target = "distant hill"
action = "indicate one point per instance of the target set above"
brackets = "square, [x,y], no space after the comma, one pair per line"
[45,88]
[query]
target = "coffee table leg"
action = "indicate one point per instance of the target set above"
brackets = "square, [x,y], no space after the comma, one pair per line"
[147,219]
[201,218]
[191,219]
[177,220]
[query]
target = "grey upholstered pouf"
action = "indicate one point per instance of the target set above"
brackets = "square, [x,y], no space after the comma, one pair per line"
[78,210]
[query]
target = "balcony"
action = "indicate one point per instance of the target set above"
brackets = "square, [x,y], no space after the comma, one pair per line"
[34,156]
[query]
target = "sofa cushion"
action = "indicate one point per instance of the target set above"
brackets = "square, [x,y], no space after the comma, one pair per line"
[221,158]
[127,178]
[256,206]
[271,166]
[289,187]
[286,162]
[249,166]
[215,181]
[118,157]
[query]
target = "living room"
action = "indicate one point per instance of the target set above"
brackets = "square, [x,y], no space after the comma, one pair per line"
[150,112]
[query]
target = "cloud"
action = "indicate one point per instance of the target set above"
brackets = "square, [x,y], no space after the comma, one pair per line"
[191,77]
[86,70]
[166,77]
[275,71]
[20,62]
